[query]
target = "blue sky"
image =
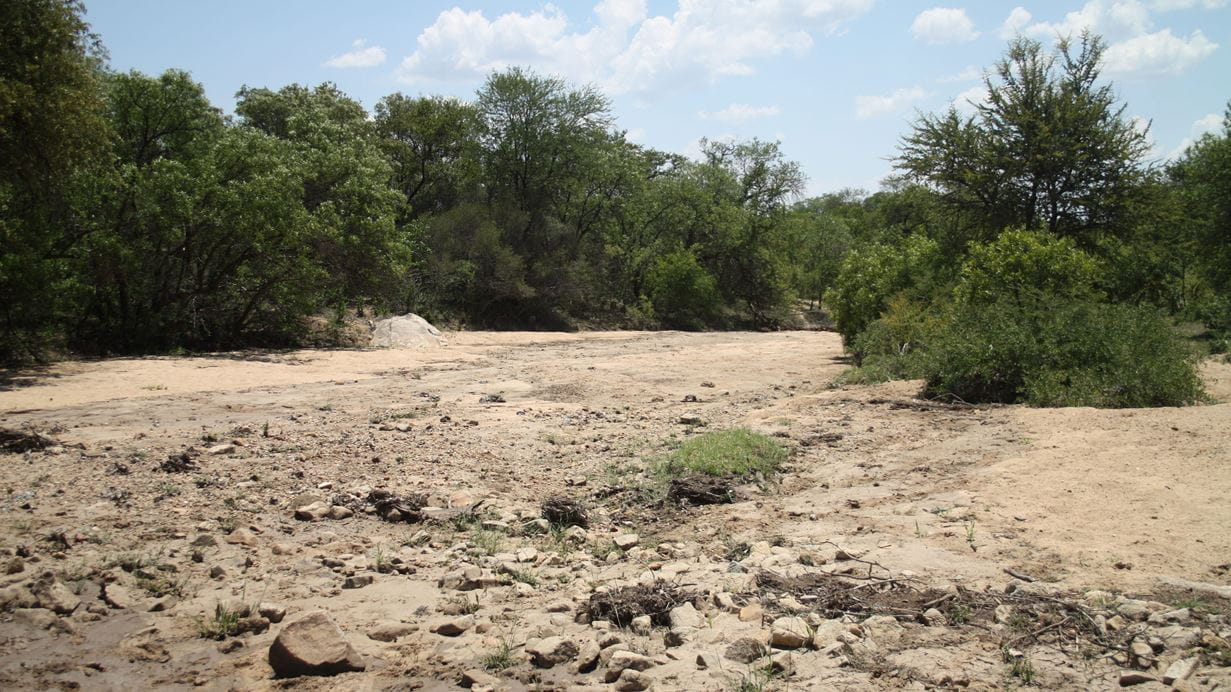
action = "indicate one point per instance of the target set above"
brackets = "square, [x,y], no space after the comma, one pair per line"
[837,81]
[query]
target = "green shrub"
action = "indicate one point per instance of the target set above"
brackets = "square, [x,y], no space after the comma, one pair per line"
[872,276]
[1019,263]
[1048,352]
[734,452]
[682,292]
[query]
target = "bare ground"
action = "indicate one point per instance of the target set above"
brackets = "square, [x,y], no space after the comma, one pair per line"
[1102,509]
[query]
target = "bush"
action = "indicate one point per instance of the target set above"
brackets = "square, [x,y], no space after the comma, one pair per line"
[735,452]
[682,292]
[1045,352]
[1019,262]
[870,277]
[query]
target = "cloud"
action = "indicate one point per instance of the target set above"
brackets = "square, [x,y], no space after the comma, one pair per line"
[1159,53]
[740,111]
[941,25]
[969,74]
[868,106]
[1134,46]
[625,49]
[1168,5]
[1018,19]
[1206,124]
[361,56]
[968,101]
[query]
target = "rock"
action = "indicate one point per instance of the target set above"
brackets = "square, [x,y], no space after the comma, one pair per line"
[621,661]
[313,512]
[392,631]
[527,554]
[678,636]
[745,650]
[38,618]
[1003,613]
[283,549]
[406,331]
[829,632]
[217,572]
[1180,670]
[164,603]
[627,541]
[340,512]
[241,537]
[642,624]
[454,627]
[357,581]
[204,541]
[478,679]
[632,681]
[54,595]
[312,645]
[691,419]
[470,579]
[1142,652]
[117,596]
[934,618]
[17,596]
[226,448]
[271,611]
[752,612]
[587,656]
[551,651]
[782,663]
[789,633]
[14,566]
[1134,609]
[1129,678]
[686,616]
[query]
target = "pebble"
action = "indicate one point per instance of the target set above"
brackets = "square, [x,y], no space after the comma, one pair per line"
[551,651]
[789,633]
[454,627]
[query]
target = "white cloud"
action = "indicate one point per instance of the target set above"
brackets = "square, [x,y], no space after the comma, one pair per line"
[967,102]
[361,56]
[1017,20]
[868,106]
[626,50]
[1168,5]
[1134,46]
[969,74]
[943,25]
[1159,53]
[636,135]
[1206,124]
[740,111]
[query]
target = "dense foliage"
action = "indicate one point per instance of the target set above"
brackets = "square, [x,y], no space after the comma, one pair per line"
[1025,252]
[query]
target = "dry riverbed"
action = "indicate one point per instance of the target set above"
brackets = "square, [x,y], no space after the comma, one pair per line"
[217,522]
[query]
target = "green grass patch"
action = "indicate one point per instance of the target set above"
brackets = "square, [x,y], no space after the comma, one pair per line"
[734,452]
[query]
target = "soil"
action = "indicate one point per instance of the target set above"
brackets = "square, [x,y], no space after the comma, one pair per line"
[157,489]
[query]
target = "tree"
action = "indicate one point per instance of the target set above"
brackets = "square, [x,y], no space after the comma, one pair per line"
[51,127]
[1049,149]
[432,143]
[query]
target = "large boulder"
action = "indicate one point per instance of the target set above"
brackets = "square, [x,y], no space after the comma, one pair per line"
[312,645]
[406,331]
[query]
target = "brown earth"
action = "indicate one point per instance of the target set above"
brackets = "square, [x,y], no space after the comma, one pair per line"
[929,499]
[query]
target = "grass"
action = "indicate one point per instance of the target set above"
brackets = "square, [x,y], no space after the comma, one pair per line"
[224,623]
[1022,669]
[734,452]
[499,659]
[486,541]
[163,586]
[525,576]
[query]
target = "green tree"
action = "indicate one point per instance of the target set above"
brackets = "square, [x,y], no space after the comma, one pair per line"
[1049,149]
[51,128]
[432,143]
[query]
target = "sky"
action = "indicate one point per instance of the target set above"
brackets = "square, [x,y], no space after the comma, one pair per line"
[837,82]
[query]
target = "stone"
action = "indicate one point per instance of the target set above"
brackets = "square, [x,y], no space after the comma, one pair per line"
[642,624]
[789,633]
[340,512]
[271,611]
[621,661]
[627,541]
[164,603]
[632,681]
[934,618]
[1003,613]
[477,679]
[205,540]
[744,650]
[313,645]
[678,636]
[313,512]
[118,596]
[357,581]
[782,663]
[226,448]
[17,596]
[1129,678]
[38,618]
[454,627]
[241,537]
[527,554]
[691,419]
[1142,652]
[752,612]
[587,656]
[551,651]
[1180,670]
[391,631]
[53,595]
[829,632]
[1134,609]
[686,616]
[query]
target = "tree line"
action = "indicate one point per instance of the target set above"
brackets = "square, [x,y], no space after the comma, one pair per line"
[136,217]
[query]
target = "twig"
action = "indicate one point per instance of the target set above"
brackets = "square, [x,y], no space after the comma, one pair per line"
[1019,575]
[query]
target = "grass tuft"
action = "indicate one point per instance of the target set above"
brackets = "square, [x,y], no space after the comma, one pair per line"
[734,452]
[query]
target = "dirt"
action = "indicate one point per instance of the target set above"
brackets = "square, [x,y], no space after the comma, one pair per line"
[182,477]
